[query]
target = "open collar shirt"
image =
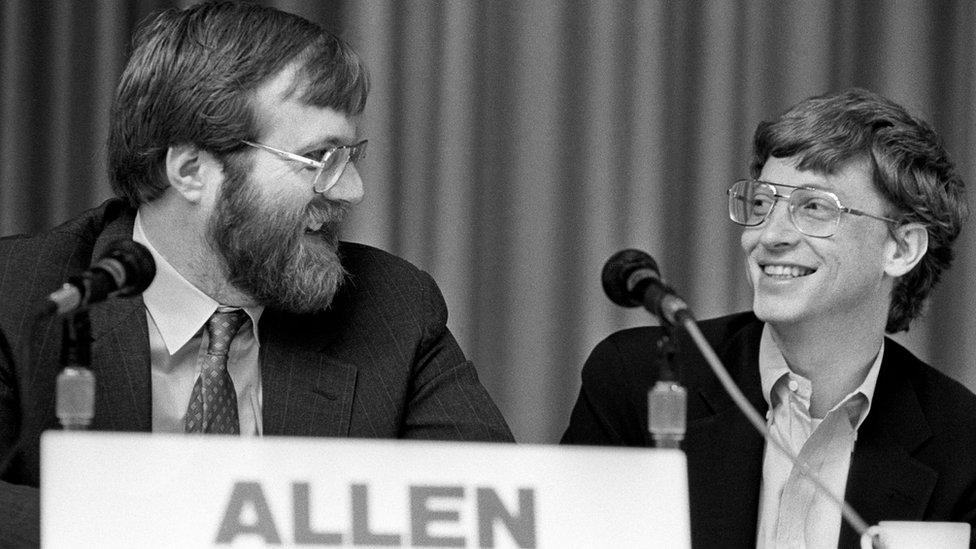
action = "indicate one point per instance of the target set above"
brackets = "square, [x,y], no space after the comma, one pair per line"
[792,513]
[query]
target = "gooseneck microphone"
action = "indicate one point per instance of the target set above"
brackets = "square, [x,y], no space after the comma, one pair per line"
[630,279]
[125,269]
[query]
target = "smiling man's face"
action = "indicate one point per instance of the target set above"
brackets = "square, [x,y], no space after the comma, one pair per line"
[277,236]
[799,279]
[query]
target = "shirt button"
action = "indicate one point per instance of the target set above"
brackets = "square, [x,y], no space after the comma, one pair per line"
[793,385]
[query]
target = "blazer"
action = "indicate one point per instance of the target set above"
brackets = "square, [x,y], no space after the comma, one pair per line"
[914,459]
[379,363]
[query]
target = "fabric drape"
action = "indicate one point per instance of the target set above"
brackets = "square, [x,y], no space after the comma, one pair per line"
[514,146]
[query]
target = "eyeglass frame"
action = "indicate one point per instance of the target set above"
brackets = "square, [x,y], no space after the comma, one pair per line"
[777,196]
[357,150]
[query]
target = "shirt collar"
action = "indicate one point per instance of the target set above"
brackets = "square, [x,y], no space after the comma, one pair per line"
[773,367]
[179,308]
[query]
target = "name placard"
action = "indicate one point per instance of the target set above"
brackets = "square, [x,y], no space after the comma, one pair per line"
[142,490]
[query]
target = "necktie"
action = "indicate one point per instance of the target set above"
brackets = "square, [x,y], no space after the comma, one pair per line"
[213,402]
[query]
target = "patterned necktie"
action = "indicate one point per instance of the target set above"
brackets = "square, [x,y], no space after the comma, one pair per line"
[213,402]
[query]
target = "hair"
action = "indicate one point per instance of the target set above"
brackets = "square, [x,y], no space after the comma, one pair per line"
[908,164]
[192,76]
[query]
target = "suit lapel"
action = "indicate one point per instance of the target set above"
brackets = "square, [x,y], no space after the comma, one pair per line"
[885,482]
[120,351]
[724,451]
[306,391]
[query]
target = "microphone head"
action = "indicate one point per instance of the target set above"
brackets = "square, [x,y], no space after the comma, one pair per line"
[136,263]
[617,271]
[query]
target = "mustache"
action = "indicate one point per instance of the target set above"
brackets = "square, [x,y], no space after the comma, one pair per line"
[329,213]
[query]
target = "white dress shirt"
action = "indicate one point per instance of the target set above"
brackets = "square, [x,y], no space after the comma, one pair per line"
[176,313]
[805,517]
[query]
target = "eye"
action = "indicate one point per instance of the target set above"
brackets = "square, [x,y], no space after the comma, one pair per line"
[815,203]
[818,206]
[316,155]
[759,203]
[328,157]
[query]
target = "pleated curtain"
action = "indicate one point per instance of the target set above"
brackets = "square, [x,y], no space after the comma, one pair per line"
[514,146]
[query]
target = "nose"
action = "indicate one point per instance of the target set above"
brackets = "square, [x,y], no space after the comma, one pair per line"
[349,187]
[778,229]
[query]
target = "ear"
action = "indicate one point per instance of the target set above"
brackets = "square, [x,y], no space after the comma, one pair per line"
[906,246]
[192,172]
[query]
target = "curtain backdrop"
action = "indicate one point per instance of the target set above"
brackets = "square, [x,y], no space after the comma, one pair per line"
[515,145]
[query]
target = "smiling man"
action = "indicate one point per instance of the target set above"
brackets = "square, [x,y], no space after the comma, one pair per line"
[848,221]
[233,150]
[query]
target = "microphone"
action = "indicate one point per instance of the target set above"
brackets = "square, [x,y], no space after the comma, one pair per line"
[125,269]
[631,278]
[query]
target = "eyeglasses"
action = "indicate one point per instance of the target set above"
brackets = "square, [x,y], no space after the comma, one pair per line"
[813,212]
[328,169]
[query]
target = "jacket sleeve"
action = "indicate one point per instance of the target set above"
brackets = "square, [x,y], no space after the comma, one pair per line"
[20,504]
[611,409]
[446,399]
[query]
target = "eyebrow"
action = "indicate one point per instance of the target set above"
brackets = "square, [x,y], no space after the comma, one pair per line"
[813,186]
[328,142]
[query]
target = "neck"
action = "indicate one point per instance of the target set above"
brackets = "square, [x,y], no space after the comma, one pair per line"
[835,358]
[179,234]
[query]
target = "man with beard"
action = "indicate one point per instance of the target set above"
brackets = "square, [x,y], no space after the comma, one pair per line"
[848,219]
[233,150]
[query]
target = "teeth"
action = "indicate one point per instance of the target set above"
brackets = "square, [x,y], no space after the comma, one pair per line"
[788,271]
[316,218]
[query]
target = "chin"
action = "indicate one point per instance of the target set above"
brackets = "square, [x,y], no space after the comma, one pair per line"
[778,310]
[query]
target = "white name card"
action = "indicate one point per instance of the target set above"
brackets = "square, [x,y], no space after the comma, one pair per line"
[141,490]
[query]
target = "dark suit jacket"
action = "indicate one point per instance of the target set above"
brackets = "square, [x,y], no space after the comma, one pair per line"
[915,456]
[379,363]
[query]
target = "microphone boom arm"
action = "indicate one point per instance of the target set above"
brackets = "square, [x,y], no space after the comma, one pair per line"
[852,517]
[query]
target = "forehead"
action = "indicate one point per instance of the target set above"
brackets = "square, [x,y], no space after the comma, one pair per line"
[854,181]
[286,122]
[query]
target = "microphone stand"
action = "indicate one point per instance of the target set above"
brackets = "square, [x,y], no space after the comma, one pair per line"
[667,399]
[75,393]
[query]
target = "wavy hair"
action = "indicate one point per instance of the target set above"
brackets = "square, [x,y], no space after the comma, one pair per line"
[909,165]
[192,76]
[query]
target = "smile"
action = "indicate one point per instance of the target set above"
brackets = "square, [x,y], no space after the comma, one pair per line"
[317,218]
[786,271]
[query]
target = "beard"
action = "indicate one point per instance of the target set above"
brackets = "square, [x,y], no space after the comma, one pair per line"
[268,250]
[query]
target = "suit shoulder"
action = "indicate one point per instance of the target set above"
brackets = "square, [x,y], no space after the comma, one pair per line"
[945,407]
[626,354]
[639,340]
[76,236]
[378,277]
[363,261]
[938,393]
[34,264]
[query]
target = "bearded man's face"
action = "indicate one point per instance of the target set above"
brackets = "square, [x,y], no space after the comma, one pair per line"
[282,254]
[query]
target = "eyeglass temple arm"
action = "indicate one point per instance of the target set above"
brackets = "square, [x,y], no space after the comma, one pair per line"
[286,154]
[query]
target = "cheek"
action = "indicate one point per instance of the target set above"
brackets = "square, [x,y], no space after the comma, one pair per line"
[748,240]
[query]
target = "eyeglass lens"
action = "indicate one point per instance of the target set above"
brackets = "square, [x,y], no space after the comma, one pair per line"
[334,162]
[813,212]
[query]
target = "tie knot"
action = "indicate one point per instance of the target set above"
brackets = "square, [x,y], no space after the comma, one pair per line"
[222,327]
